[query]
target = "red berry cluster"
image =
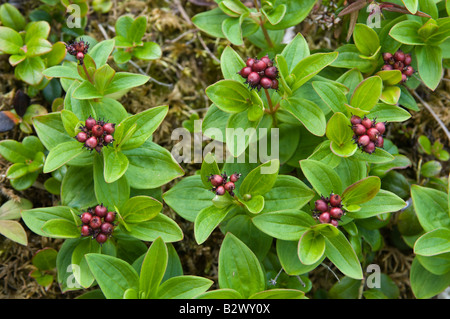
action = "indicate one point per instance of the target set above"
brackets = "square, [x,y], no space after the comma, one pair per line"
[96,134]
[98,222]
[260,73]
[328,210]
[368,133]
[221,184]
[78,49]
[398,61]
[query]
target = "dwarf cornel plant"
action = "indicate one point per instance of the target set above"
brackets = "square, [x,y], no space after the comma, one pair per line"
[322,197]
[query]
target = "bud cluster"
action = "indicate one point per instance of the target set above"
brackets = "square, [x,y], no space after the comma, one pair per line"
[398,61]
[221,184]
[328,210]
[368,133]
[96,134]
[78,49]
[260,73]
[97,222]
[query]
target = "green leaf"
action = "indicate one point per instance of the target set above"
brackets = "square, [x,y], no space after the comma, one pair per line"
[287,224]
[411,5]
[383,202]
[61,154]
[11,17]
[70,121]
[261,179]
[101,51]
[231,28]
[10,40]
[338,129]
[431,168]
[137,29]
[275,15]
[140,208]
[207,220]
[323,179]
[433,243]
[123,24]
[45,259]
[310,66]
[36,47]
[240,132]
[113,275]
[30,70]
[61,228]
[209,167]
[407,32]
[429,61]
[296,12]
[361,191]
[37,30]
[367,93]
[239,269]
[425,284]
[77,188]
[153,269]
[366,39]
[210,22]
[183,287]
[15,152]
[307,112]
[379,156]
[116,164]
[431,207]
[311,247]
[220,294]
[12,209]
[149,51]
[229,95]
[231,64]
[342,255]
[389,113]
[62,71]
[86,91]
[13,230]
[279,294]
[331,95]
[350,58]
[103,77]
[295,51]
[124,81]
[37,217]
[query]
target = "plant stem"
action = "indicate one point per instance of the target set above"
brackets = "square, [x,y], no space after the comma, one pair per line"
[269,100]
[261,23]
[87,73]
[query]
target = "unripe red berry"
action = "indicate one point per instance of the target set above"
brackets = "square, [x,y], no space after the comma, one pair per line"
[97,130]
[106,228]
[408,59]
[216,180]
[404,78]
[399,56]
[359,129]
[86,218]
[335,200]
[110,217]
[229,186]
[81,137]
[245,72]
[321,205]
[266,83]
[336,212]
[100,211]
[271,72]
[399,65]
[275,84]
[90,122]
[109,128]
[91,142]
[267,61]
[80,56]
[235,177]
[95,222]
[85,230]
[220,190]
[355,119]
[250,62]
[380,127]
[334,222]
[409,71]
[366,122]
[363,140]
[259,66]
[324,218]
[370,148]
[108,139]
[380,141]
[101,238]
[387,67]
[387,56]
[253,79]
[373,134]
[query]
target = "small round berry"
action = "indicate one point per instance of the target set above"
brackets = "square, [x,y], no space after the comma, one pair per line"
[250,62]
[266,83]
[271,72]
[336,212]
[409,71]
[235,177]
[108,139]
[387,67]
[86,218]
[399,65]
[367,122]
[373,134]
[85,230]
[90,122]
[253,79]
[324,218]
[81,137]
[321,205]
[355,119]
[335,200]
[229,186]
[106,228]
[100,211]
[91,142]
[370,148]
[275,84]
[101,238]
[95,222]
[97,130]
[267,61]
[380,127]
[334,222]
[408,59]
[259,66]
[110,217]
[220,190]
[387,56]
[216,180]
[404,78]
[109,128]
[245,72]
[359,129]
[80,56]
[363,140]
[380,141]
[399,56]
